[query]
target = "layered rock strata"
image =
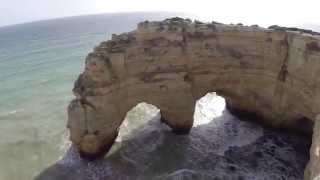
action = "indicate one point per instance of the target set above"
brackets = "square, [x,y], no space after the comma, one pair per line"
[171,64]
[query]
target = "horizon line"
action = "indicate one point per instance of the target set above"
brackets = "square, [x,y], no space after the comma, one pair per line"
[176,14]
[92,14]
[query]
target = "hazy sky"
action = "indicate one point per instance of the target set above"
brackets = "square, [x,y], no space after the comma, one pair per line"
[265,12]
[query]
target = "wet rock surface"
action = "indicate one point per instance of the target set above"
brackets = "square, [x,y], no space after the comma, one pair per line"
[222,148]
[159,154]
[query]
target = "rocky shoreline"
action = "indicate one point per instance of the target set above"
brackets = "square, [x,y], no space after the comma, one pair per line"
[223,148]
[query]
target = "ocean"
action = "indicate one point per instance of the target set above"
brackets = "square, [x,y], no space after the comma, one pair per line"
[39,63]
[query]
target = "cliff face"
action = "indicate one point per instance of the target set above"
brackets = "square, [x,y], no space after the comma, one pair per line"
[171,64]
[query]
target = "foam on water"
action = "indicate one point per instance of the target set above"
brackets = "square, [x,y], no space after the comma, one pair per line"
[223,148]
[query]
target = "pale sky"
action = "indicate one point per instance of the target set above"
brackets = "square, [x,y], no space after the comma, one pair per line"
[265,13]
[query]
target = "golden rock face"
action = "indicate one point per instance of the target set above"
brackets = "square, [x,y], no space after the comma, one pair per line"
[171,64]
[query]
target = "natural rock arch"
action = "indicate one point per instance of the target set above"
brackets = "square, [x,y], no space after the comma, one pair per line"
[269,72]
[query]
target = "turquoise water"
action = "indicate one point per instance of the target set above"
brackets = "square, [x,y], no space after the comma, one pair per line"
[38,64]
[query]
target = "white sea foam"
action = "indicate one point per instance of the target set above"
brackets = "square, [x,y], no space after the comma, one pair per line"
[222,148]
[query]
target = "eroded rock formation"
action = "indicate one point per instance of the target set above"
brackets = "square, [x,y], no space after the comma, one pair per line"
[171,64]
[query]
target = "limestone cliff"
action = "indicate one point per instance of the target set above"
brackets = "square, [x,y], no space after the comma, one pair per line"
[171,64]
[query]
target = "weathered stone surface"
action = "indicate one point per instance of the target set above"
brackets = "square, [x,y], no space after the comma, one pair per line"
[269,72]
[312,171]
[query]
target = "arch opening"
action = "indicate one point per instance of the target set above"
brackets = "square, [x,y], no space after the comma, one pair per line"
[258,142]
[207,108]
[139,116]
